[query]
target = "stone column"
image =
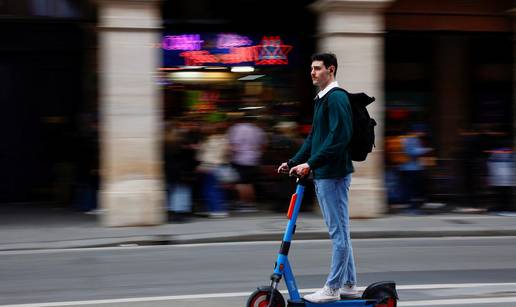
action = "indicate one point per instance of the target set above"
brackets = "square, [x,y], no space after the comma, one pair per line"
[132,191]
[353,30]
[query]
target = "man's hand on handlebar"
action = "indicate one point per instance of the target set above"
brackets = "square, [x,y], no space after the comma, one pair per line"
[300,170]
[283,168]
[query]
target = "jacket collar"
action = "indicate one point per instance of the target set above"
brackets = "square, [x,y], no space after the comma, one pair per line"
[325,91]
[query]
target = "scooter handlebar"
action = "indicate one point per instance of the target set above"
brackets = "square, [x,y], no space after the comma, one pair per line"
[299,180]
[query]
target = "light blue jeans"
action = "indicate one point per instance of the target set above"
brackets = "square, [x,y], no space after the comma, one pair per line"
[179,198]
[333,200]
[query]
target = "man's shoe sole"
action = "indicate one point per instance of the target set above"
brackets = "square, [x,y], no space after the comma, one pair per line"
[322,301]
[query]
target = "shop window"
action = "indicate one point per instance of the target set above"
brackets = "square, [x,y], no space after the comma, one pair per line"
[49,8]
[55,8]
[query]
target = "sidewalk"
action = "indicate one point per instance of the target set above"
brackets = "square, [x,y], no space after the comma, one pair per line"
[74,230]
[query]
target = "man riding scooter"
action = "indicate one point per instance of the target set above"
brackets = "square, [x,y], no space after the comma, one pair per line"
[325,153]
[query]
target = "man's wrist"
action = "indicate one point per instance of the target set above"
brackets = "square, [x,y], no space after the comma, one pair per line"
[310,163]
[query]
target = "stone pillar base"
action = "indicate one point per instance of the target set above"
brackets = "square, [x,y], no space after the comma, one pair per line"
[133,203]
[367,195]
[367,201]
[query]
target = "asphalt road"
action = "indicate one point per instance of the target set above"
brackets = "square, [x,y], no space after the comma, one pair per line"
[429,272]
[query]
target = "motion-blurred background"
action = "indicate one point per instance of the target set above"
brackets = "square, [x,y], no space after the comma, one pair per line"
[124,108]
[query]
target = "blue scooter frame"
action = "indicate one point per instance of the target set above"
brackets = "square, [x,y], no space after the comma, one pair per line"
[381,294]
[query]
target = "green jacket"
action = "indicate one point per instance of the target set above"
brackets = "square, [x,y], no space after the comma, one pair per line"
[326,147]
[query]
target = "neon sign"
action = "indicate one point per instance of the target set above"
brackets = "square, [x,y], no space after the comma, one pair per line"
[225,41]
[270,51]
[182,42]
[235,56]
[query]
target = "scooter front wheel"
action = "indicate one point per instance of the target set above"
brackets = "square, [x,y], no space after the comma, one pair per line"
[261,298]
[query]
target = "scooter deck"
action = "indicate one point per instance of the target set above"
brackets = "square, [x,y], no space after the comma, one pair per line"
[345,303]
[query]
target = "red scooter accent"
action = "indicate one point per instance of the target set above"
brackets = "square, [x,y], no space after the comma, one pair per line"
[291,207]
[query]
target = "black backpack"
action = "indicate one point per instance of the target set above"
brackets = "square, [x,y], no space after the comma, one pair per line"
[362,140]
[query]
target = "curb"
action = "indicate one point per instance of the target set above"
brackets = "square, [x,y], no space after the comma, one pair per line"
[232,237]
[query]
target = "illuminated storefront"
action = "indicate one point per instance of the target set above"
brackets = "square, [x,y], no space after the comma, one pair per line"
[227,72]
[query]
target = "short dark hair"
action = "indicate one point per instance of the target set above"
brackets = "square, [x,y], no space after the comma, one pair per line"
[328,60]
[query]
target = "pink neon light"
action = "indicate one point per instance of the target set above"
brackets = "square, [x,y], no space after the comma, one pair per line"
[182,42]
[197,58]
[226,41]
[271,51]
[237,55]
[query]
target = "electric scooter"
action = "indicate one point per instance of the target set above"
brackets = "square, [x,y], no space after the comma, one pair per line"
[379,294]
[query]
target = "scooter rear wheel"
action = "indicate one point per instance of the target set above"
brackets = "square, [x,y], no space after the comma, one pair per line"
[260,298]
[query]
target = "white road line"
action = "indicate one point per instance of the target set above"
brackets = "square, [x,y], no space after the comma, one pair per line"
[438,302]
[278,242]
[453,286]
[462,301]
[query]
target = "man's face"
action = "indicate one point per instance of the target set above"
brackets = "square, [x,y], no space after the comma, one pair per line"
[321,75]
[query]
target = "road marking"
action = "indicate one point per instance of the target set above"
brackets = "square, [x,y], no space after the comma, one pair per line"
[461,301]
[214,244]
[453,286]
[439,302]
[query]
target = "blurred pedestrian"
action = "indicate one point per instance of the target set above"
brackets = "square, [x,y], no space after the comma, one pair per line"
[213,158]
[325,153]
[180,164]
[247,142]
[284,143]
[412,171]
[394,156]
[501,181]
[87,174]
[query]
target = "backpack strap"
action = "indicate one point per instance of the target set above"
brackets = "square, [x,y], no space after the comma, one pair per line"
[357,98]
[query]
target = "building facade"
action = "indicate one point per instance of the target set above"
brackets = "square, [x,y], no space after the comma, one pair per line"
[450,64]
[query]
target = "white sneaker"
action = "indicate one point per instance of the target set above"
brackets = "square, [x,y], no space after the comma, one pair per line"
[324,295]
[218,214]
[349,291]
